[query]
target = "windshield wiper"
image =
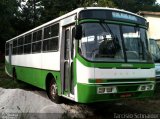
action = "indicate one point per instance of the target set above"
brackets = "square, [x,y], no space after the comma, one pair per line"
[104,28]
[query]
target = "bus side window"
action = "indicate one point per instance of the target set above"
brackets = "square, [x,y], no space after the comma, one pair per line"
[66,54]
[51,37]
[27,43]
[20,45]
[14,47]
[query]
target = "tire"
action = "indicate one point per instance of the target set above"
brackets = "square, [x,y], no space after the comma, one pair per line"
[53,92]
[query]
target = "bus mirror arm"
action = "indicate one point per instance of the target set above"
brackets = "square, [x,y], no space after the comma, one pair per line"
[78,32]
[147,25]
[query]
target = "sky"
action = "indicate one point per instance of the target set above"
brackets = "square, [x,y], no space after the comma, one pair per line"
[158,1]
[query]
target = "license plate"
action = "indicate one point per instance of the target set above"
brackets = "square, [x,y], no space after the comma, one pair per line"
[125,95]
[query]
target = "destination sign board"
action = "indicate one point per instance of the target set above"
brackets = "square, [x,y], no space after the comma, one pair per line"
[114,15]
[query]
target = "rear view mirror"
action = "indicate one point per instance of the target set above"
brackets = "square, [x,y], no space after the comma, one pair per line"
[78,32]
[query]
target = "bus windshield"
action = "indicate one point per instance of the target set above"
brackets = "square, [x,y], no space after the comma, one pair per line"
[106,42]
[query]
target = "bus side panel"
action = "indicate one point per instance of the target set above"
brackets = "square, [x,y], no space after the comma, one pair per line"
[37,77]
[28,75]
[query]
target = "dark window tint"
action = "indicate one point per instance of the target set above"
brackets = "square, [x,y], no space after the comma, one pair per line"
[47,32]
[28,38]
[51,31]
[7,51]
[54,30]
[14,42]
[7,45]
[34,36]
[66,54]
[20,41]
[36,47]
[72,42]
[37,35]
[51,44]
[20,50]
[14,50]
[46,45]
[27,48]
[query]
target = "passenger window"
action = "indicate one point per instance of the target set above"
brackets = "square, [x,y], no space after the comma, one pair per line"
[51,37]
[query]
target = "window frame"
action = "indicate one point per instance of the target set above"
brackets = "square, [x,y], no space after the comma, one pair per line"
[51,38]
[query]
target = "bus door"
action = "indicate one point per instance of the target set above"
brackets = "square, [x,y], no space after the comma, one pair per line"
[10,53]
[67,56]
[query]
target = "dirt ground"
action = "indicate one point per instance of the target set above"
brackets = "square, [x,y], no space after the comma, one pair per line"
[23,101]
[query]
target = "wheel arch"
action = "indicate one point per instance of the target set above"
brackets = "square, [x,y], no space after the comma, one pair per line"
[49,77]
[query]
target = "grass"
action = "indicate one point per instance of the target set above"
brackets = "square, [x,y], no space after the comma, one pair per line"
[8,83]
[2,71]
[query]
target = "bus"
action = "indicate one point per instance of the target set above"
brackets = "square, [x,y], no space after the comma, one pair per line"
[155,51]
[88,55]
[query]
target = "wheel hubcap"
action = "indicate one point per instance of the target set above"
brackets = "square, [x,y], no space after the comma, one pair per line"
[53,90]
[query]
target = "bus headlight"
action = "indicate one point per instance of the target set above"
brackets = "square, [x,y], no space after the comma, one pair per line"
[105,90]
[146,87]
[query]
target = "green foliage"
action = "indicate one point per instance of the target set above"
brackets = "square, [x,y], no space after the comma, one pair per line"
[8,83]
[106,3]
[137,5]
[55,8]
[8,9]
[17,18]
[28,16]
[96,3]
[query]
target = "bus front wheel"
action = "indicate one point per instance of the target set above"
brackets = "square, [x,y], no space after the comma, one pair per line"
[53,92]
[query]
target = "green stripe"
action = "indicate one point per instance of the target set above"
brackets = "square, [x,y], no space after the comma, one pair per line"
[74,72]
[112,65]
[119,22]
[111,22]
[88,20]
[37,77]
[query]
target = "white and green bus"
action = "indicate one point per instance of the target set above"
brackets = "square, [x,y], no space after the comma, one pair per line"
[87,55]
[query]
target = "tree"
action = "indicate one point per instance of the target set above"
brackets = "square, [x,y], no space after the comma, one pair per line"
[106,3]
[137,5]
[96,3]
[8,8]
[55,8]
[28,16]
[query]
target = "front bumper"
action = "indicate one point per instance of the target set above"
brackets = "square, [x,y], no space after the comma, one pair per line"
[87,93]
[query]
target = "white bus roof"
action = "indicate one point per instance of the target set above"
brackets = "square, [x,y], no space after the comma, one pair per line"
[72,13]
